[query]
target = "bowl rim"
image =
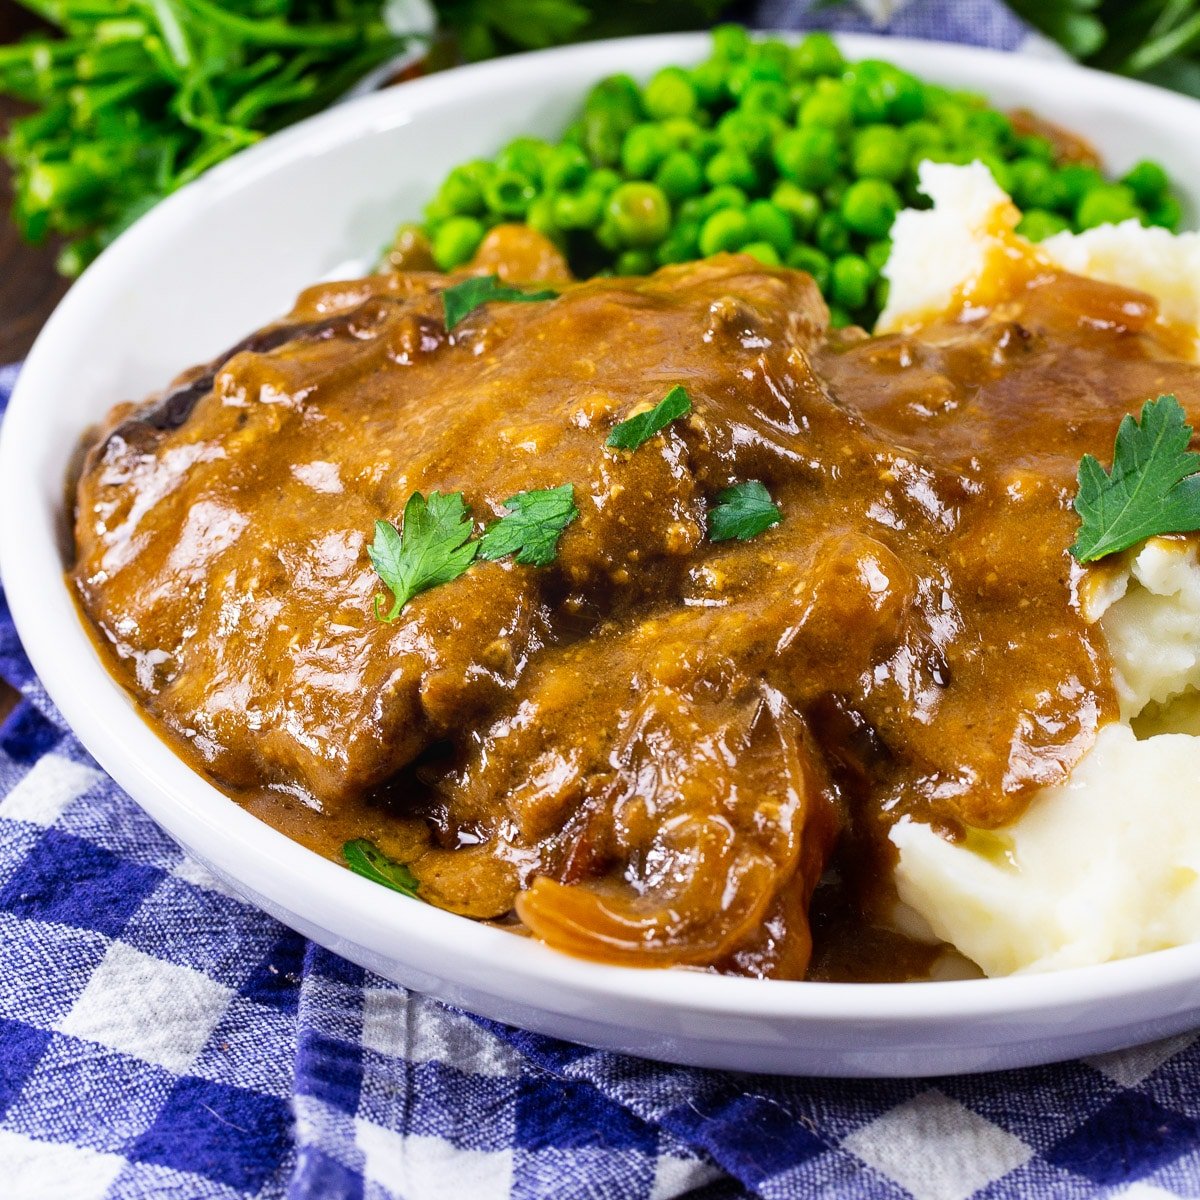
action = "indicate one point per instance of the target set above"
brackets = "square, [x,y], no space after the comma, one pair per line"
[297,880]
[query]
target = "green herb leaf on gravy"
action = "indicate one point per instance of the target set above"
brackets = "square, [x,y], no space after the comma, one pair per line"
[1153,486]
[464,298]
[742,512]
[365,858]
[532,526]
[631,434]
[431,548]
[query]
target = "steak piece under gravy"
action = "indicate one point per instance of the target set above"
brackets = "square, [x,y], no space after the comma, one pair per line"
[653,749]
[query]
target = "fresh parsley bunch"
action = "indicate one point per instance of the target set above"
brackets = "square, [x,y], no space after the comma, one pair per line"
[134,98]
[1155,40]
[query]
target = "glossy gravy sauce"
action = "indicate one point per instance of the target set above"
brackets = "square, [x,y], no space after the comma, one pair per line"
[658,750]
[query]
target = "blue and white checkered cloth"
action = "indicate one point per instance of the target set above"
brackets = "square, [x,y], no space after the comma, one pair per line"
[161,1038]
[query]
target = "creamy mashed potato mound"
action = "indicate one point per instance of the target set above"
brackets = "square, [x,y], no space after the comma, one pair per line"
[1107,864]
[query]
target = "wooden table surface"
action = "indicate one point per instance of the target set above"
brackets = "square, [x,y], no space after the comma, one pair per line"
[29,285]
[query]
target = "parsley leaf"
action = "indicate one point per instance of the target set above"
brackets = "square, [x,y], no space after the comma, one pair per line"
[464,298]
[432,548]
[532,526]
[1153,487]
[629,435]
[366,859]
[742,511]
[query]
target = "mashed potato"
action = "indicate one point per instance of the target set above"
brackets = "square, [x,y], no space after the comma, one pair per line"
[1083,876]
[947,256]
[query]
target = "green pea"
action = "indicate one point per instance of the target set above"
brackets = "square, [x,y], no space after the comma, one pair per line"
[603,180]
[540,218]
[462,190]
[730,42]
[834,192]
[639,213]
[1076,179]
[692,209]
[817,54]
[1039,223]
[682,133]
[680,176]
[709,82]
[1148,182]
[680,245]
[670,94]
[567,167]
[525,156]
[803,257]
[1000,170]
[456,240]
[803,207]
[772,50]
[509,194]
[990,127]
[839,318]
[764,252]
[831,234]
[1035,184]
[611,108]
[1033,145]
[744,75]
[1167,213]
[771,224]
[766,96]
[749,133]
[880,152]
[879,294]
[731,166]
[870,206]
[869,95]
[851,280]
[635,262]
[808,157]
[1109,204]
[643,148]
[578,210]
[726,229]
[728,195]
[877,253]
[924,135]
[830,107]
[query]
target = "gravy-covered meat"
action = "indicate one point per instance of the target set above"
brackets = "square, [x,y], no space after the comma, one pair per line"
[654,748]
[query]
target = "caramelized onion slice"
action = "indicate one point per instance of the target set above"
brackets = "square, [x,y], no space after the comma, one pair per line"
[719,847]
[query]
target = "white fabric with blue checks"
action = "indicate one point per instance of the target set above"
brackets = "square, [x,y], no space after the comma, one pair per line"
[161,1038]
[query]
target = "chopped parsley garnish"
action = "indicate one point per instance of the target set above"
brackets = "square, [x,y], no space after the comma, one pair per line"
[366,859]
[629,435]
[1153,486]
[464,298]
[432,547]
[742,511]
[532,526]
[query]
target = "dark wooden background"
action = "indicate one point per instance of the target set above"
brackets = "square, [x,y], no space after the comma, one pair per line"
[29,285]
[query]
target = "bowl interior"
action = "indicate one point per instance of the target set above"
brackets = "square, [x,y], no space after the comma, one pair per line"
[230,253]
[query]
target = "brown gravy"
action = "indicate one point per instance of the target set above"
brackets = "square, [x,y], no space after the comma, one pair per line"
[653,750]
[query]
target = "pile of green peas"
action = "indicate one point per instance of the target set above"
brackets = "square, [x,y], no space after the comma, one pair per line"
[783,151]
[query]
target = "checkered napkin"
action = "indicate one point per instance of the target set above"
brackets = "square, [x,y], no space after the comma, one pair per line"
[161,1038]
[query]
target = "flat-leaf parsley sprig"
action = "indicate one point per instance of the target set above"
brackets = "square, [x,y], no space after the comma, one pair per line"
[742,511]
[638,430]
[434,544]
[1154,485]
[365,858]
[462,299]
[432,547]
[531,528]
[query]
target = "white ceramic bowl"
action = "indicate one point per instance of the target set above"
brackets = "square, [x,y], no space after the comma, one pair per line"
[230,252]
